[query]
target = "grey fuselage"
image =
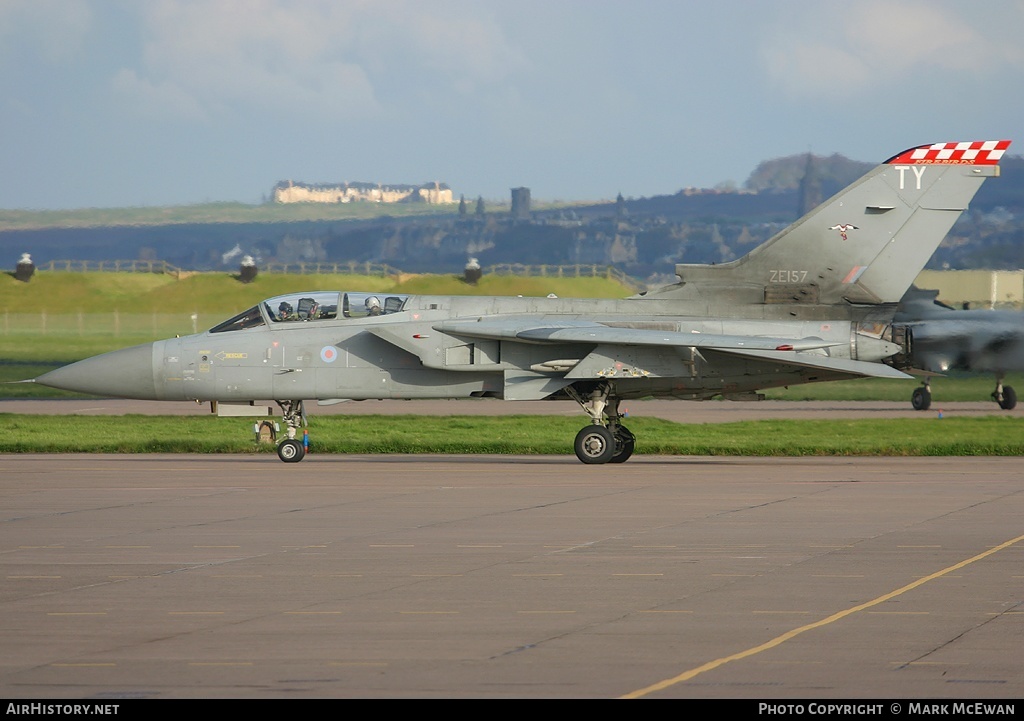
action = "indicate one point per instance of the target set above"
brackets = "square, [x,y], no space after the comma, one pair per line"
[403,354]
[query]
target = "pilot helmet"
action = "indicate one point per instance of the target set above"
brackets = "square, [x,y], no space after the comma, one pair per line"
[372,302]
[285,308]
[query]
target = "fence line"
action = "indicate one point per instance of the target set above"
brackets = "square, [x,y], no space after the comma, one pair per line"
[112,266]
[116,323]
[563,271]
[350,267]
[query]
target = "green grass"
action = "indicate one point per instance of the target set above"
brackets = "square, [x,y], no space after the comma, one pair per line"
[953,388]
[215,213]
[931,436]
[233,212]
[221,295]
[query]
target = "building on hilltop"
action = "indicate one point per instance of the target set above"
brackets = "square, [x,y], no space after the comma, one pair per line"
[287,191]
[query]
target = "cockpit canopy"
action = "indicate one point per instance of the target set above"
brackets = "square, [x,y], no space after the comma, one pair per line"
[314,306]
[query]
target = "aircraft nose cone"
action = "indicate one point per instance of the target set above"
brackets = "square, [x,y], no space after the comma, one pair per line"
[126,373]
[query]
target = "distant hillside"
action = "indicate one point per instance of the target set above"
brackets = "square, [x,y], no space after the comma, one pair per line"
[643,237]
[222,295]
[784,174]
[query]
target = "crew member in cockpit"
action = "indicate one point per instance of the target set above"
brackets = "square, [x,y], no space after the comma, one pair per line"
[373,305]
[285,311]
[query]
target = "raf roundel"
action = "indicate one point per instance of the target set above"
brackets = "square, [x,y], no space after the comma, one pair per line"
[329,354]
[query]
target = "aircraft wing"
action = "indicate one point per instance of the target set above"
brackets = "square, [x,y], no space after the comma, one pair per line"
[784,351]
[854,368]
[597,333]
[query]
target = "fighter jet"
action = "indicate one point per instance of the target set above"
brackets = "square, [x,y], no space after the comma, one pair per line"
[940,339]
[813,303]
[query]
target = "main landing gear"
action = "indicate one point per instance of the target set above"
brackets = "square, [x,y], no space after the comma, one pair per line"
[605,440]
[1004,396]
[292,449]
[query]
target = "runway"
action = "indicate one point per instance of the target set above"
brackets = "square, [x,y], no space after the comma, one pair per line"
[519,577]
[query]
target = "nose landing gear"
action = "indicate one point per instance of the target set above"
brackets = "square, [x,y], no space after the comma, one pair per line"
[292,449]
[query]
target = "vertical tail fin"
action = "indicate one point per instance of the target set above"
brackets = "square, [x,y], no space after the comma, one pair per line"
[867,243]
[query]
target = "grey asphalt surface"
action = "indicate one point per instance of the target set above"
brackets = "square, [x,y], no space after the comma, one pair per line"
[519,577]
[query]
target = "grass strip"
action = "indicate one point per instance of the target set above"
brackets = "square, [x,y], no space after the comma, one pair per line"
[530,435]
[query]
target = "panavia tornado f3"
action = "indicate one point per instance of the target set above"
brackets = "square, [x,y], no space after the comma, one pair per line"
[814,303]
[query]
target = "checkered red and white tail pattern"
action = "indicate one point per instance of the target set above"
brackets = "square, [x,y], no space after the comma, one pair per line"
[978,152]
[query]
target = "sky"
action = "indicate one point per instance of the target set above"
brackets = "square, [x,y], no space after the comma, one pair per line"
[126,103]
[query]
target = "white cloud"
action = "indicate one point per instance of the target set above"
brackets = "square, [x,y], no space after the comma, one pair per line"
[56,28]
[834,50]
[156,100]
[337,60]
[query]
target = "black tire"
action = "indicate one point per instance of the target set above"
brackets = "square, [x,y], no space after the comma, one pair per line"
[1009,401]
[921,399]
[594,444]
[290,450]
[625,442]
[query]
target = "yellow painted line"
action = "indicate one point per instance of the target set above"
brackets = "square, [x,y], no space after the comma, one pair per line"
[337,575]
[787,613]
[32,578]
[77,613]
[429,613]
[236,575]
[82,665]
[437,575]
[36,548]
[789,635]
[545,612]
[195,613]
[837,575]
[313,613]
[658,610]
[898,613]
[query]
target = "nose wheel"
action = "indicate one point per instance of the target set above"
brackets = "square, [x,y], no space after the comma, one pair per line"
[290,450]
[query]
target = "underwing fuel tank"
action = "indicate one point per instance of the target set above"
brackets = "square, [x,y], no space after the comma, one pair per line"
[872,348]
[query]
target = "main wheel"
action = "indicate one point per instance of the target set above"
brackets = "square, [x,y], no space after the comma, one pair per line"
[594,444]
[290,450]
[624,444]
[921,399]
[1009,401]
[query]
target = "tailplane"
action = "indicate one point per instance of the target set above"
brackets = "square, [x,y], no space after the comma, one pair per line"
[865,245]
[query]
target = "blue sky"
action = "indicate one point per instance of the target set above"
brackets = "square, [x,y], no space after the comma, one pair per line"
[117,103]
